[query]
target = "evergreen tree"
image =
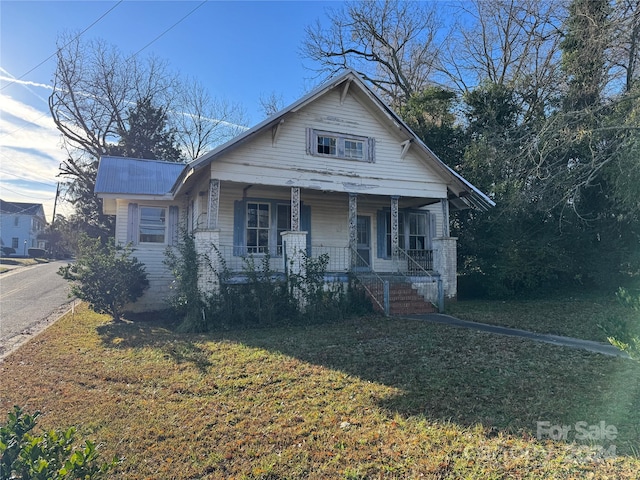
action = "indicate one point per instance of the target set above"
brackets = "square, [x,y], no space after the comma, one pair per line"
[147,135]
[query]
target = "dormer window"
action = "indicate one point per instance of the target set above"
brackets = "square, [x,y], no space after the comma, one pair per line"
[340,145]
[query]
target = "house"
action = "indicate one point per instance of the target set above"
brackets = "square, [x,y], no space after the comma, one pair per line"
[335,173]
[21,225]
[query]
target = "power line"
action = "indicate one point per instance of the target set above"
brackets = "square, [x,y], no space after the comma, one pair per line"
[168,29]
[23,195]
[58,50]
[27,179]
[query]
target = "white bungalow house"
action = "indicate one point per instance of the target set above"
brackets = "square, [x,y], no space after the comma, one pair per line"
[21,226]
[336,173]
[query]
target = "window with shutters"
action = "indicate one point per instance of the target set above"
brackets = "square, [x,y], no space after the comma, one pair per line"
[340,145]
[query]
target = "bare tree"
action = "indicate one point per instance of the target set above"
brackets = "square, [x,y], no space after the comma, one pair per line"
[514,43]
[625,42]
[271,104]
[203,122]
[391,43]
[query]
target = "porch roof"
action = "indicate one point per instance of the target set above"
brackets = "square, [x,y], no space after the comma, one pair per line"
[135,176]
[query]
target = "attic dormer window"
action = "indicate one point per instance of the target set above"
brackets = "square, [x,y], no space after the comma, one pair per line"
[340,145]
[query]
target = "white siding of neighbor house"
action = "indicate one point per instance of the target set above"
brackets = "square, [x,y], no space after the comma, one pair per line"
[286,163]
[152,255]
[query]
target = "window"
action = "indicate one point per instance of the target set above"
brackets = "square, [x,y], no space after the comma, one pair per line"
[413,231]
[339,145]
[14,243]
[259,223]
[326,145]
[153,223]
[16,221]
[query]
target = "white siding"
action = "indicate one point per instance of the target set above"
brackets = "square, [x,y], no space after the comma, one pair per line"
[260,162]
[152,255]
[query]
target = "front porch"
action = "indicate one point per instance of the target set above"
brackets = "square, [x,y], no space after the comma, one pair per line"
[403,286]
[385,240]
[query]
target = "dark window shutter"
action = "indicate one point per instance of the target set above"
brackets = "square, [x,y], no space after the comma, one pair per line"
[305,224]
[238,228]
[173,225]
[132,224]
[381,233]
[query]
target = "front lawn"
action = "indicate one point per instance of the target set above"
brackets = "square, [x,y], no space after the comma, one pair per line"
[370,398]
[572,316]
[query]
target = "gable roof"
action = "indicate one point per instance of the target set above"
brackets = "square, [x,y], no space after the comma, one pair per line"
[461,192]
[21,208]
[136,176]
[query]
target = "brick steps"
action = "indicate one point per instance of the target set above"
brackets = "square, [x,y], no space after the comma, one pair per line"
[405,300]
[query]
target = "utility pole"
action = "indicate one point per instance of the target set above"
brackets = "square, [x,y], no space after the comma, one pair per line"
[55,203]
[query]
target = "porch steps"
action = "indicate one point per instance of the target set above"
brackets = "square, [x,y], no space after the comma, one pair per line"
[404,299]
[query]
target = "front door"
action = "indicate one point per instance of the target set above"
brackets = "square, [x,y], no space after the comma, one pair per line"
[363,243]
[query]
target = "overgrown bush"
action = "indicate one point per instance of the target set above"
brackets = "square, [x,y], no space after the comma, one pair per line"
[185,265]
[106,276]
[625,333]
[258,296]
[48,456]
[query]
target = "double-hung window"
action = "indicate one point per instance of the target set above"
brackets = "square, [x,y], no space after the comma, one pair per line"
[259,223]
[413,231]
[265,221]
[153,224]
[258,217]
[340,145]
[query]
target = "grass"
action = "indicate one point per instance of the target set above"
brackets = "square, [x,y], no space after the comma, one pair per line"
[573,316]
[369,398]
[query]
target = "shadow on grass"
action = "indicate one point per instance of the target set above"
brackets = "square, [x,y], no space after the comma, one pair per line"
[443,373]
[156,330]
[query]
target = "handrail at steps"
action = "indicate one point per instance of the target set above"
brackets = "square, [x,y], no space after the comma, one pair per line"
[368,285]
[419,270]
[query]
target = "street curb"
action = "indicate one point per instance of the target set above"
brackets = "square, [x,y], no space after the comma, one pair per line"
[13,343]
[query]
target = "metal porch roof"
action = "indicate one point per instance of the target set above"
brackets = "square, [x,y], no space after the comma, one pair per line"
[135,176]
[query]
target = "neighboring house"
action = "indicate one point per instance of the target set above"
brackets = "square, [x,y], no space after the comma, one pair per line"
[21,225]
[336,173]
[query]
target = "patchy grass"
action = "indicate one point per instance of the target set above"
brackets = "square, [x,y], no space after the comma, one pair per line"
[572,316]
[371,398]
[22,261]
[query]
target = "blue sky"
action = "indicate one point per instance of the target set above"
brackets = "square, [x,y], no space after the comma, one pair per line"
[241,51]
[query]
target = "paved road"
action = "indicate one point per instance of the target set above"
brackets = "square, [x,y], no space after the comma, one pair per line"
[29,298]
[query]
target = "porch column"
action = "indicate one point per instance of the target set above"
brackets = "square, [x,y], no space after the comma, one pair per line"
[204,241]
[444,203]
[394,228]
[445,263]
[295,209]
[214,204]
[353,227]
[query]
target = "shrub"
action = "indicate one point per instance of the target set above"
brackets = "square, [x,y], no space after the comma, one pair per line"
[106,276]
[187,302]
[625,333]
[49,456]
